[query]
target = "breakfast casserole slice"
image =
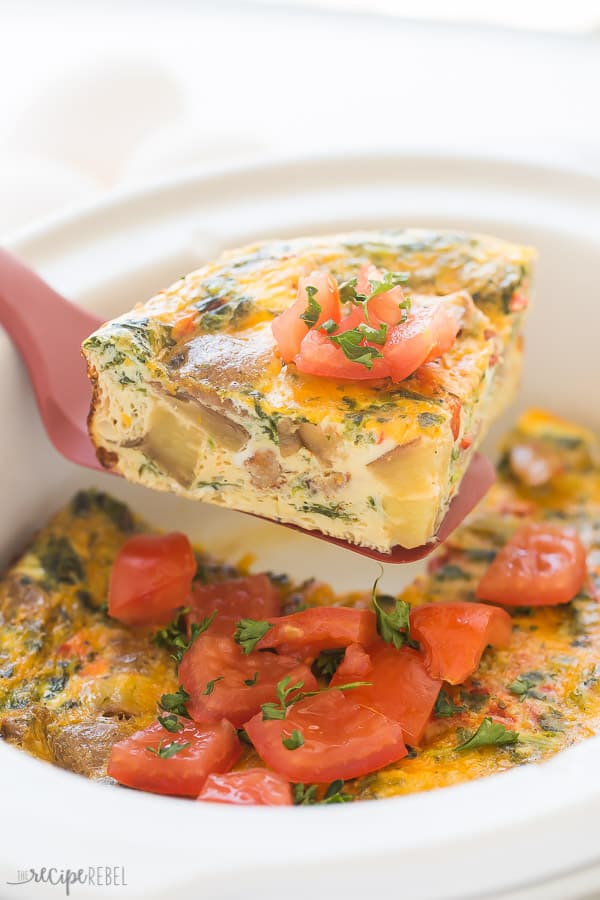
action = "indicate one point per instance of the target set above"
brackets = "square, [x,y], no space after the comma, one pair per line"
[362,431]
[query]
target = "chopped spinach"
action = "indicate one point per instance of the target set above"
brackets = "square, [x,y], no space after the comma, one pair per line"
[450,572]
[60,561]
[445,706]
[524,685]
[428,418]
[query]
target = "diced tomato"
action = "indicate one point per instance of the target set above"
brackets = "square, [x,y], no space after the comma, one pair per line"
[184,325]
[355,665]
[319,356]
[95,667]
[340,739]
[252,597]
[541,565]
[454,635]
[289,329]
[428,332]
[385,306]
[212,748]
[518,302]
[78,645]
[151,576]
[321,628]
[251,787]
[224,682]
[455,422]
[401,689]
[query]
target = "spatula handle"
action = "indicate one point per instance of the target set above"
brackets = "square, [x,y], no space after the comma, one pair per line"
[48,330]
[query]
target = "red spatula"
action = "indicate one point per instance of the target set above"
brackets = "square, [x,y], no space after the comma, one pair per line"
[48,331]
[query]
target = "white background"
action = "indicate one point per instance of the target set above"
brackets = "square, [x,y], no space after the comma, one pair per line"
[96,95]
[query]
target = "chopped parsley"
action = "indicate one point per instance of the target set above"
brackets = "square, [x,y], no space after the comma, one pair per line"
[524,685]
[171,723]
[176,703]
[210,686]
[166,751]
[284,691]
[248,633]
[445,706]
[393,625]
[313,310]
[250,682]
[352,344]
[390,280]
[329,326]
[306,794]
[175,637]
[326,663]
[489,734]
[295,740]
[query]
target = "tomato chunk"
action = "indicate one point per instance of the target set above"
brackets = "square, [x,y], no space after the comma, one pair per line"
[151,576]
[223,682]
[341,739]
[289,328]
[320,628]
[541,565]
[427,333]
[402,689]
[355,665]
[252,597]
[211,748]
[319,356]
[251,787]
[454,636]
[385,306]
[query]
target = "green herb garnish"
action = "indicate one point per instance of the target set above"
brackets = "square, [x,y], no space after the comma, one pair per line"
[390,280]
[524,685]
[285,689]
[393,626]
[329,326]
[353,347]
[295,740]
[175,637]
[327,662]
[489,734]
[248,633]
[171,723]
[250,682]
[210,686]
[175,703]
[313,310]
[445,706]
[306,794]
[166,751]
